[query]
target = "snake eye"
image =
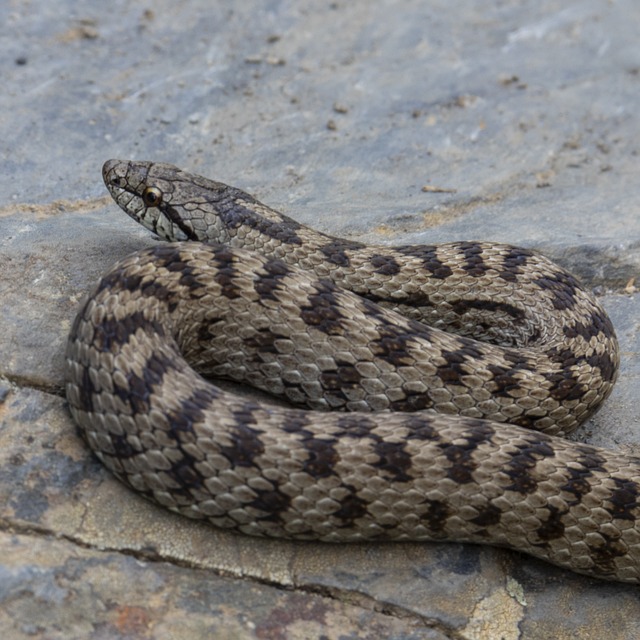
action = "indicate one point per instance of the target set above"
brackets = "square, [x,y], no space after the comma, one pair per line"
[152,196]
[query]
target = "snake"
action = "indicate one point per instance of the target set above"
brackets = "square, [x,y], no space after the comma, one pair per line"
[416,393]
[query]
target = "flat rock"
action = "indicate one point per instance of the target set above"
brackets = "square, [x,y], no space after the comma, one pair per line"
[388,122]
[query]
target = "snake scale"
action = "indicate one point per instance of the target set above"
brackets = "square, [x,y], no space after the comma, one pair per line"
[451,371]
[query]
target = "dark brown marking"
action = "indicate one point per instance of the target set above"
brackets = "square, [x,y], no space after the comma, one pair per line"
[191,412]
[463,306]
[169,257]
[270,501]
[206,330]
[111,334]
[563,288]
[503,379]
[322,457]
[351,508]
[474,263]
[624,500]
[591,459]
[330,381]
[602,321]
[348,374]
[521,466]
[460,456]
[488,516]
[607,365]
[412,402]
[604,555]
[186,475]
[323,310]
[553,527]
[394,344]
[269,281]
[421,428]
[415,299]
[596,324]
[428,255]
[119,280]
[155,289]
[86,391]
[394,460]
[564,386]
[189,280]
[513,262]
[462,464]
[295,422]
[264,341]
[577,484]
[336,251]
[522,482]
[138,393]
[452,371]
[357,426]
[343,378]
[246,444]
[166,255]
[385,265]
[436,516]
[506,377]
[226,273]
[585,330]
[122,447]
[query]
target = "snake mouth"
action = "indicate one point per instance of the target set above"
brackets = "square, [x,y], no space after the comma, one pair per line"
[115,175]
[125,182]
[121,192]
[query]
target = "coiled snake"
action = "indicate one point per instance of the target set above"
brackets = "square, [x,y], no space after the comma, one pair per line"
[427,348]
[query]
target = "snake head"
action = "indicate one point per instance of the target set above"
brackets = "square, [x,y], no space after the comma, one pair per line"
[174,204]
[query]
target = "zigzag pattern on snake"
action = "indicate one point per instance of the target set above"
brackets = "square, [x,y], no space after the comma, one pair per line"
[453,369]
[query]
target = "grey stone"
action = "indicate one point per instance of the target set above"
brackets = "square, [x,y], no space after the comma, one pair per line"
[389,122]
[58,590]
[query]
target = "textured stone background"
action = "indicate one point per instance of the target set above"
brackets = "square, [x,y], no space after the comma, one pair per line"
[390,121]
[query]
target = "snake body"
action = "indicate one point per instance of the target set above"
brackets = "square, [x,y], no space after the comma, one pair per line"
[453,369]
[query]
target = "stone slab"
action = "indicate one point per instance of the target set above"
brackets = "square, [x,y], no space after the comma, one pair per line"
[390,122]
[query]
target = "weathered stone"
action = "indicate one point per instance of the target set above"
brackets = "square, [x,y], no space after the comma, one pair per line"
[388,122]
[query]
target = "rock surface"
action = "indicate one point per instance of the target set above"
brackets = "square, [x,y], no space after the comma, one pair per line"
[390,122]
